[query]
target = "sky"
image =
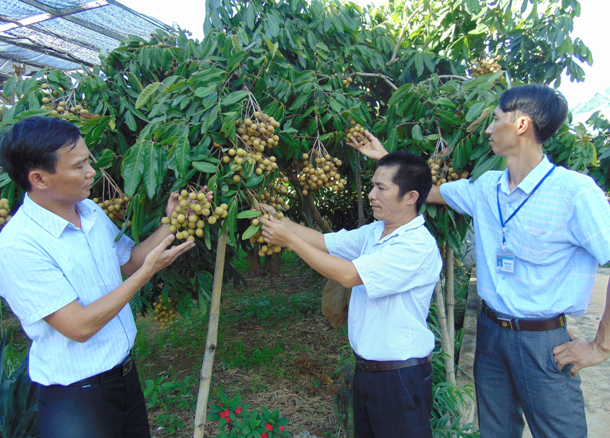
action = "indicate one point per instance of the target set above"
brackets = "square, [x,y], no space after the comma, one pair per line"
[590,27]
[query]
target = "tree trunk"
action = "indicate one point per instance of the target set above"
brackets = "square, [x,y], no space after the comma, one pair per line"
[442,325]
[315,214]
[254,260]
[450,298]
[361,217]
[273,263]
[210,347]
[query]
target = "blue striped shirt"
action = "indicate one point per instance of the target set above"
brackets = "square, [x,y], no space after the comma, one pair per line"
[46,264]
[558,238]
[387,313]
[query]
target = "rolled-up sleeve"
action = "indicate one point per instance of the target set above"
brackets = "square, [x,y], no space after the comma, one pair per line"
[590,221]
[347,244]
[399,267]
[33,284]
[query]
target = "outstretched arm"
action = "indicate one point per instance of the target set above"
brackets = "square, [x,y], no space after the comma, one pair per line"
[334,268]
[369,146]
[312,237]
[586,354]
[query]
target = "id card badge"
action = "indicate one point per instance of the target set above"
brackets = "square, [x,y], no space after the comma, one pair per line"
[505,262]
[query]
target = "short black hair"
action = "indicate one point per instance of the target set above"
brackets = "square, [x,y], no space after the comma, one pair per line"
[412,173]
[546,106]
[32,143]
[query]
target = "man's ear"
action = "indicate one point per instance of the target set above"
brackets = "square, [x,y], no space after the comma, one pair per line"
[523,124]
[37,179]
[412,197]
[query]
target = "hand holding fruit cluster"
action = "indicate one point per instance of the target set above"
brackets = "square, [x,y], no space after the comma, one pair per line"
[259,241]
[187,219]
[165,311]
[442,171]
[4,212]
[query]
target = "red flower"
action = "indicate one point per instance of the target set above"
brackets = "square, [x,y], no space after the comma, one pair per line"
[281,428]
[238,410]
[268,427]
[228,420]
[264,435]
[225,414]
[222,405]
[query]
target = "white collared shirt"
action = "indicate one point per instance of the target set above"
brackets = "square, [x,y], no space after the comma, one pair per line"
[46,264]
[558,237]
[387,313]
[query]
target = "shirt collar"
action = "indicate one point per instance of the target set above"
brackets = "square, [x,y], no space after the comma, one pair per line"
[530,181]
[417,222]
[52,222]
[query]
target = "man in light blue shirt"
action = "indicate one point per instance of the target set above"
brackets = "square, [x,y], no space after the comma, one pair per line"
[61,275]
[540,232]
[393,266]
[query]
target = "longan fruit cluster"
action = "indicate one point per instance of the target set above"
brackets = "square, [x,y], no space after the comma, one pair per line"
[486,65]
[258,131]
[4,212]
[321,171]
[356,127]
[188,219]
[114,208]
[165,311]
[442,172]
[275,198]
[258,239]
[57,105]
[239,156]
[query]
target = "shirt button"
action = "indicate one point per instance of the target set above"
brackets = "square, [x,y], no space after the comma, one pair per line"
[504,277]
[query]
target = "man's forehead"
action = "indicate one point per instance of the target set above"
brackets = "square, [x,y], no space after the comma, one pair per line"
[385,174]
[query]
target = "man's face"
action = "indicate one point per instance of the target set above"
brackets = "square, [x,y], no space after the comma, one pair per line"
[502,131]
[384,195]
[73,175]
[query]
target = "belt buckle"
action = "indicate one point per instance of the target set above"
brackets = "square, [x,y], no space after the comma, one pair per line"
[505,323]
[127,365]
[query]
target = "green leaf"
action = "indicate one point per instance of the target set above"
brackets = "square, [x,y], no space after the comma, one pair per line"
[146,94]
[475,111]
[417,133]
[448,117]
[250,15]
[9,86]
[235,59]
[205,91]
[496,162]
[130,121]
[234,98]
[133,167]
[248,214]
[151,169]
[182,154]
[203,166]
[301,100]
[399,94]
[391,145]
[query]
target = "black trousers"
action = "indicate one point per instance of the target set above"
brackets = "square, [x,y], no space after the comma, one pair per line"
[113,408]
[393,404]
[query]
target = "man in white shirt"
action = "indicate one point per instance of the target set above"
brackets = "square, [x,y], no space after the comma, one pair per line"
[393,266]
[540,232]
[61,275]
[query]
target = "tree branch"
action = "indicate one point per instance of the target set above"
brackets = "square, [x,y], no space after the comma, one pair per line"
[378,75]
[401,36]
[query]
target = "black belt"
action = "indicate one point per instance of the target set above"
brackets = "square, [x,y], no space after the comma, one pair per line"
[373,365]
[121,369]
[520,324]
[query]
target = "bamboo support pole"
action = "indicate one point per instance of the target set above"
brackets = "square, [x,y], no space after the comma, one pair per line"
[450,299]
[210,347]
[442,325]
[359,192]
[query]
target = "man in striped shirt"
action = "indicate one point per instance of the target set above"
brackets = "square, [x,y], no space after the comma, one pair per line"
[61,275]
[392,265]
[540,233]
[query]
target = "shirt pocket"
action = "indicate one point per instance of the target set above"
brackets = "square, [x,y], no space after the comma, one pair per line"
[110,268]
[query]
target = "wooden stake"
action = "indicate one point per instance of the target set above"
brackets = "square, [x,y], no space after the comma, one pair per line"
[210,347]
[450,299]
[442,325]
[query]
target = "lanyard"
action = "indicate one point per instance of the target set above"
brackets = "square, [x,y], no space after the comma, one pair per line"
[518,208]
